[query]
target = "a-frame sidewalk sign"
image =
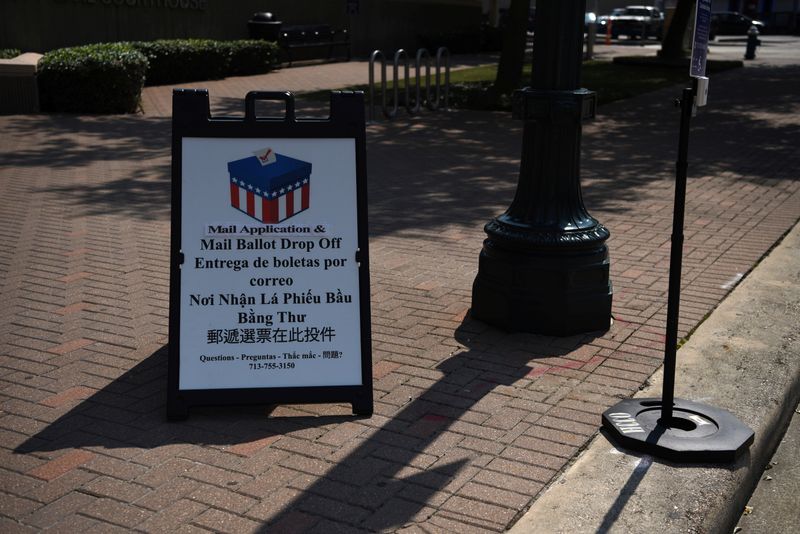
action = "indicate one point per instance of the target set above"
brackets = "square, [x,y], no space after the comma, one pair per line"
[269,263]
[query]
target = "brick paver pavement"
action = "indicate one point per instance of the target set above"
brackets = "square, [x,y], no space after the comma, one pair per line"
[470,422]
[226,95]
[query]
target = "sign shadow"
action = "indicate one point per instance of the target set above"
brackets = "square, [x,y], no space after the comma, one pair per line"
[399,472]
[404,471]
[130,412]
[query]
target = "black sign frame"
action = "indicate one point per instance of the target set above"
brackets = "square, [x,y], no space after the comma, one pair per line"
[191,117]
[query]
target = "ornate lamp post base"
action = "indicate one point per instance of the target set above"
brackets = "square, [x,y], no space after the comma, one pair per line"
[544,267]
[558,291]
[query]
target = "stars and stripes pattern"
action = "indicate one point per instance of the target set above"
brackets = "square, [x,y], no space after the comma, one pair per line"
[270,206]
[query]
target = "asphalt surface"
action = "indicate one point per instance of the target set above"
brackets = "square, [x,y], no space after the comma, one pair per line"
[773,505]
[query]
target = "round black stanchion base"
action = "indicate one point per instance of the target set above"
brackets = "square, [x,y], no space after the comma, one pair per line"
[696,432]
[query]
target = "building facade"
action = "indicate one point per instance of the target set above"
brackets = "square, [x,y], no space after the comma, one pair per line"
[43,25]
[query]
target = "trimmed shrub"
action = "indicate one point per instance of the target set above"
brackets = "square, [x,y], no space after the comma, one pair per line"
[99,78]
[184,60]
[251,57]
[9,53]
[108,78]
[188,60]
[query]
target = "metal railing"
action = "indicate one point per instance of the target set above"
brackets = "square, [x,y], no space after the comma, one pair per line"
[442,56]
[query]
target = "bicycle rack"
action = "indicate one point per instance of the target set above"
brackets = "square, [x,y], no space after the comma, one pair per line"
[442,52]
[422,52]
[375,54]
[442,55]
[396,85]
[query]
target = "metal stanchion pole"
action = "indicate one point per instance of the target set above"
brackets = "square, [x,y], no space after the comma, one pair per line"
[676,256]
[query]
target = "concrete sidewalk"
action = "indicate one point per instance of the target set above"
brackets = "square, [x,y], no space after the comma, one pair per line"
[226,95]
[471,423]
[746,359]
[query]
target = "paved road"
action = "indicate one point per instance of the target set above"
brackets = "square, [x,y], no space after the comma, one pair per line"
[774,49]
[773,505]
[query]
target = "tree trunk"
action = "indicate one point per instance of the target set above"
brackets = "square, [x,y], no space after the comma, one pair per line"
[512,57]
[672,45]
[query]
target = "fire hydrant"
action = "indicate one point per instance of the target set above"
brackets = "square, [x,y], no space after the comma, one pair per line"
[752,42]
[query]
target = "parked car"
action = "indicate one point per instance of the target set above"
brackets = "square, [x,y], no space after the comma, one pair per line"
[733,23]
[602,20]
[634,22]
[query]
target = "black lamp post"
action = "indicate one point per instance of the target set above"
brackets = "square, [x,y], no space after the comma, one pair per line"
[544,266]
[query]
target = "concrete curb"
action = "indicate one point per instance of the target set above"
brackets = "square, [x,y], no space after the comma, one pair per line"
[744,358]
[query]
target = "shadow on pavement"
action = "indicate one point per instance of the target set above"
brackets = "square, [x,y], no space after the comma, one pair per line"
[78,140]
[386,479]
[456,168]
[639,472]
[448,168]
[102,164]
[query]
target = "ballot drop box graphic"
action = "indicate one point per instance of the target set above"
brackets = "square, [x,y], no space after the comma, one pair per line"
[269,276]
[270,187]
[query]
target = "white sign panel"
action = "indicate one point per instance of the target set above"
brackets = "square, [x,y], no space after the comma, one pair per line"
[269,283]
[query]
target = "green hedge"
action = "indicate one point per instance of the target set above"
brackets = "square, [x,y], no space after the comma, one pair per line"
[9,53]
[187,60]
[99,78]
[108,78]
[252,57]
[184,60]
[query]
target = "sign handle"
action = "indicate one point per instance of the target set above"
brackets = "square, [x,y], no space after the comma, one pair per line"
[252,96]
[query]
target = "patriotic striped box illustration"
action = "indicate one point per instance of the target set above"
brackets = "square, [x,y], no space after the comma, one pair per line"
[270,187]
